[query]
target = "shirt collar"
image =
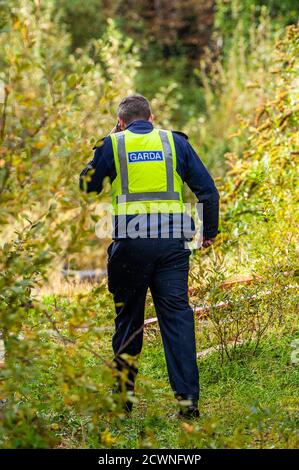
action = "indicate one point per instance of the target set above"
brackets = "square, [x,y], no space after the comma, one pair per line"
[140,126]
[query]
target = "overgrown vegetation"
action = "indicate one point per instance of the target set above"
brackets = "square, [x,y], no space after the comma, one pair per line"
[56,103]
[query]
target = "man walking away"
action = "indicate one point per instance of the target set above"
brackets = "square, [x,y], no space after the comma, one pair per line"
[147,168]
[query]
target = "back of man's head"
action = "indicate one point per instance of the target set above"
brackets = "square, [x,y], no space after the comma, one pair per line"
[134,107]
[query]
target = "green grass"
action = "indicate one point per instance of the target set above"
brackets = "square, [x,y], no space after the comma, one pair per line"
[248,402]
[245,403]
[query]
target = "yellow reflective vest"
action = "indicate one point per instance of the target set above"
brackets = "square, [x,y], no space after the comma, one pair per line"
[146,177]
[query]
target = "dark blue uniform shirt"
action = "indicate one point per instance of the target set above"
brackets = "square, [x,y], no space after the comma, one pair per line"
[189,167]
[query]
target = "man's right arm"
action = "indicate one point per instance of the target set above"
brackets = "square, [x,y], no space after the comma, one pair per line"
[102,165]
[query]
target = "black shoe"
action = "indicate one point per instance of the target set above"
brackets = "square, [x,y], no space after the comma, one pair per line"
[189,412]
[125,383]
[188,406]
[127,407]
[125,396]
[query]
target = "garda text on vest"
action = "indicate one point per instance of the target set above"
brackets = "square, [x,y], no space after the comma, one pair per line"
[145,156]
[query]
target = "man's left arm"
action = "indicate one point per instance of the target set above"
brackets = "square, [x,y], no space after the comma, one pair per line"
[202,185]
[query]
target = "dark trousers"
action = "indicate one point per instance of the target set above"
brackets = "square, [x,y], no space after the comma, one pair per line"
[134,265]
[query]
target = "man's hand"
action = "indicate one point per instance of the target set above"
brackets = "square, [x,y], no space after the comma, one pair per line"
[208,242]
[115,129]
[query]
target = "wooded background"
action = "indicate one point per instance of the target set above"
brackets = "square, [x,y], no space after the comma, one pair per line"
[224,72]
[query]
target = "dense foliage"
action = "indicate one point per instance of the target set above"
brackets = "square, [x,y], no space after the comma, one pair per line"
[57,100]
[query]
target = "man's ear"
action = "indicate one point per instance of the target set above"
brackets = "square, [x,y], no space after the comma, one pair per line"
[151,118]
[122,123]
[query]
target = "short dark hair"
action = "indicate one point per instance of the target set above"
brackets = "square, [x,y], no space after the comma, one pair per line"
[134,107]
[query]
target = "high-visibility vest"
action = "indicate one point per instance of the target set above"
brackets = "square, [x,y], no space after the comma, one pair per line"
[146,177]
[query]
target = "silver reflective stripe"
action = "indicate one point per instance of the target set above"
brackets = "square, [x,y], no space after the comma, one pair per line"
[122,158]
[149,196]
[168,159]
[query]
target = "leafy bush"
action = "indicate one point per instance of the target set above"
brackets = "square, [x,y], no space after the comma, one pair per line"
[56,104]
[228,15]
[235,84]
[259,226]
